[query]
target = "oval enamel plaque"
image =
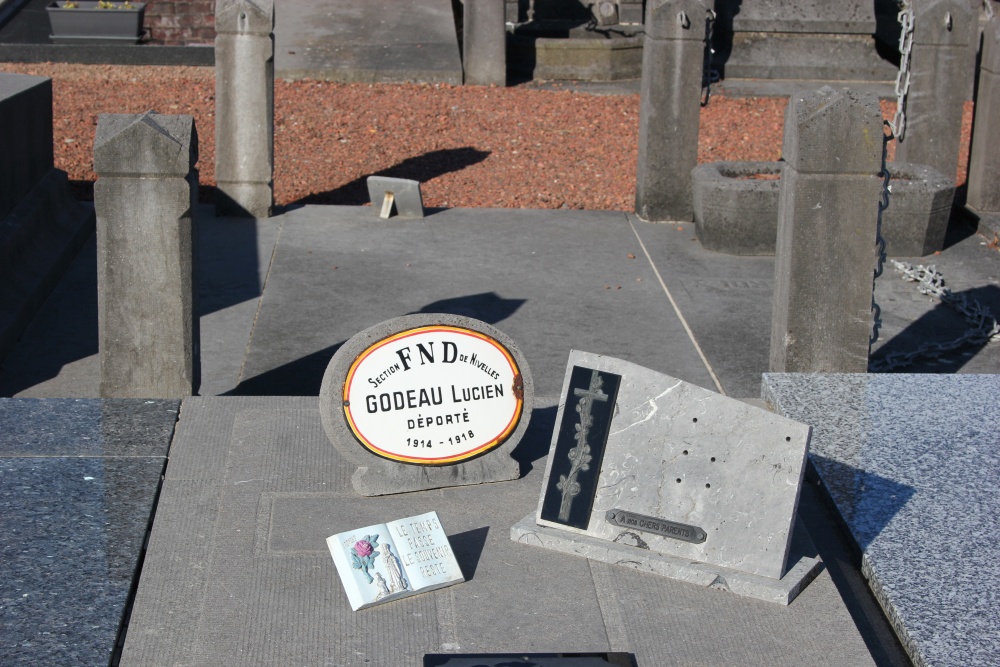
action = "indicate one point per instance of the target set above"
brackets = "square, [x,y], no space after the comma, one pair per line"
[433,395]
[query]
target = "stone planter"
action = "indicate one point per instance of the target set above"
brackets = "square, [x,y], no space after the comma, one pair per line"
[736,208]
[87,24]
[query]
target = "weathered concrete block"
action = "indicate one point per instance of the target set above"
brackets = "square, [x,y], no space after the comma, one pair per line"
[244,108]
[825,253]
[672,66]
[484,45]
[41,224]
[145,198]
[984,163]
[25,134]
[941,71]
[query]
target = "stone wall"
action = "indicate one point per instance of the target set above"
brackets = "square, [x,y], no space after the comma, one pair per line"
[181,22]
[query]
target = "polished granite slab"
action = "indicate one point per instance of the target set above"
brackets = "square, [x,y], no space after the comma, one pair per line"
[911,462]
[78,483]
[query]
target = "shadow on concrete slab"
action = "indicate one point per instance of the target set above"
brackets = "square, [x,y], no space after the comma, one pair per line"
[534,445]
[301,377]
[940,326]
[468,549]
[486,306]
[421,168]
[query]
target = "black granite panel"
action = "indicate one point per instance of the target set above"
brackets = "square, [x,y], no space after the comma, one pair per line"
[73,530]
[579,450]
[78,483]
[86,426]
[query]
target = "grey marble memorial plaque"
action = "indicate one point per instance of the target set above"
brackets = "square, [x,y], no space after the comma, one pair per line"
[427,401]
[689,481]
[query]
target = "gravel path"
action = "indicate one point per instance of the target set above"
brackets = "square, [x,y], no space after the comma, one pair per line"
[472,147]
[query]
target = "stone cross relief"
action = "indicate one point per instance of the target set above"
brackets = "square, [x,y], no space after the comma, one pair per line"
[580,456]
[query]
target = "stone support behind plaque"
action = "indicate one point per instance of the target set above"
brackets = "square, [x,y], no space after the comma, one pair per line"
[244,108]
[984,163]
[145,195]
[941,71]
[669,108]
[825,254]
[416,434]
[484,43]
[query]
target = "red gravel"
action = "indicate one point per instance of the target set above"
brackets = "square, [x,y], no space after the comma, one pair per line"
[471,147]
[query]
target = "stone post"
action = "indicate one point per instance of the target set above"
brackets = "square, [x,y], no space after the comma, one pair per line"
[484,43]
[984,163]
[827,212]
[941,70]
[670,101]
[244,108]
[145,197]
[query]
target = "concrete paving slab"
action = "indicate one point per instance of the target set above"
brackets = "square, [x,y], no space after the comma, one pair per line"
[238,571]
[372,41]
[551,280]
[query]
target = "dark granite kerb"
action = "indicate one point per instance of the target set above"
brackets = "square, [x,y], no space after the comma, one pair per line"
[79,480]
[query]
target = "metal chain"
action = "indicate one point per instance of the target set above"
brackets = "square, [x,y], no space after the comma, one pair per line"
[883,204]
[709,75]
[905,18]
[988,6]
[983,327]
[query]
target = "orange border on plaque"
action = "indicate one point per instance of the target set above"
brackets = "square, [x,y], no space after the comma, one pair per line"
[493,442]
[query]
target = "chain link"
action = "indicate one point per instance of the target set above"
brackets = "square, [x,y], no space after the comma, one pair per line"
[709,75]
[983,327]
[883,204]
[988,6]
[905,18]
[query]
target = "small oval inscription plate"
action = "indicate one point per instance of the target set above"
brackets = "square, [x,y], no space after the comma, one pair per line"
[649,524]
[433,395]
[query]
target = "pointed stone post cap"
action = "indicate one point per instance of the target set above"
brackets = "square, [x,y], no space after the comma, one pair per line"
[833,132]
[148,144]
[244,17]
[677,19]
[943,22]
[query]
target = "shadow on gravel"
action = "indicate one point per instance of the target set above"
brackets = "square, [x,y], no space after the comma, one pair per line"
[422,168]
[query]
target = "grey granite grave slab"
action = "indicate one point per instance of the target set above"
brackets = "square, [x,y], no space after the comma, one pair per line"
[721,475]
[238,571]
[376,476]
[78,483]
[911,461]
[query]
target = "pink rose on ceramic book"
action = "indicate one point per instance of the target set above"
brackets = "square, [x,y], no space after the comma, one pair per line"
[363,548]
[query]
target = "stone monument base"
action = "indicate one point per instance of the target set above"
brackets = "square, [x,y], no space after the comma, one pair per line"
[783,591]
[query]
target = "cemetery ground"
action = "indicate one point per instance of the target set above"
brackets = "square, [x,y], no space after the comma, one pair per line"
[253,485]
[481,147]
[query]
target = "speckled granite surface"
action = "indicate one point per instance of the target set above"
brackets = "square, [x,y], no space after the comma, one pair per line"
[78,479]
[912,463]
